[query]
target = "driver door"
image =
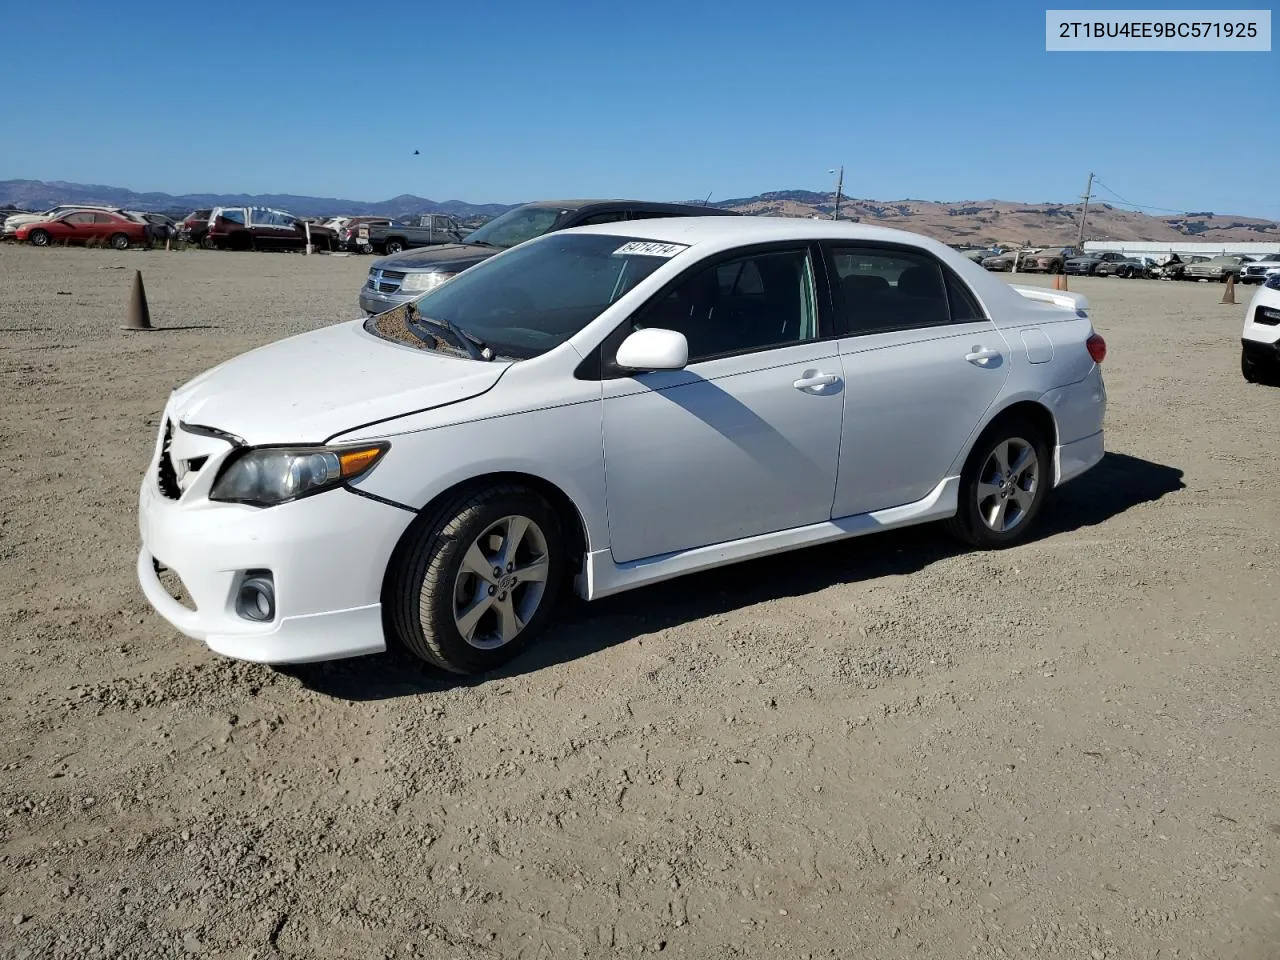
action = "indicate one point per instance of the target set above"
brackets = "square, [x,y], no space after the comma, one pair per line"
[744,440]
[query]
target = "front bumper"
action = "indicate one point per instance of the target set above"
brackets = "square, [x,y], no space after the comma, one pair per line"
[1079,270]
[327,554]
[371,301]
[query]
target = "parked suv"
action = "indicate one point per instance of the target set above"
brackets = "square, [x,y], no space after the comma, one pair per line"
[1088,263]
[397,279]
[1260,269]
[262,228]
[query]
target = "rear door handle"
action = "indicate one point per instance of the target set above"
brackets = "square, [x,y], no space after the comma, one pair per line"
[980,356]
[816,380]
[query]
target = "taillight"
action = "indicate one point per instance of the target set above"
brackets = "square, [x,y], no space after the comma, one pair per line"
[1097,347]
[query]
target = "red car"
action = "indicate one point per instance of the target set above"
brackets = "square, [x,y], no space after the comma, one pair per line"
[85,226]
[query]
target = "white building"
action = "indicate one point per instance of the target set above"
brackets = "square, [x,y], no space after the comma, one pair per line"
[1159,249]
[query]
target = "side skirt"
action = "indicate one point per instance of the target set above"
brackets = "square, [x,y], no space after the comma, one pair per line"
[604,577]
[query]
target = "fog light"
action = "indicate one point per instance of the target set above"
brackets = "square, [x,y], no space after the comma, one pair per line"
[256,598]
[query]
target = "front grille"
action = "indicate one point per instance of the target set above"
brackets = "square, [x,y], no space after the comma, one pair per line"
[1255,271]
[385,281]
[166,476]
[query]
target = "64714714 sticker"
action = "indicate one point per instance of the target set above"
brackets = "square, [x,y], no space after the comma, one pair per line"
[649,248]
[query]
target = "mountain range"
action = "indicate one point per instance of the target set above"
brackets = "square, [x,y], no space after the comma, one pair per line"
[968,222]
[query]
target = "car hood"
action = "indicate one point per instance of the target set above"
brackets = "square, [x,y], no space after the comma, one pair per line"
[308,388]
[23,219]
[445,256]
[1082,259]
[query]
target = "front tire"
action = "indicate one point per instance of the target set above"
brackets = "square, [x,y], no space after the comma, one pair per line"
[38,238]
[474,584]
[1003,485]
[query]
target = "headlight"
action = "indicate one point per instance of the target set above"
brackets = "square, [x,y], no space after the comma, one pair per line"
[266,476]
[422,282]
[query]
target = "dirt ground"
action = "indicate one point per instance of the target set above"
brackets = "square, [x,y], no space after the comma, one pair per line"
[884,748]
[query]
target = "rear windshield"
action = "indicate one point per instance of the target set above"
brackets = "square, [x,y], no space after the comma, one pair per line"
[528,301]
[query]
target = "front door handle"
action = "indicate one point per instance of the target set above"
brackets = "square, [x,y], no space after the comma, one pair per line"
[981,355]
[816,380]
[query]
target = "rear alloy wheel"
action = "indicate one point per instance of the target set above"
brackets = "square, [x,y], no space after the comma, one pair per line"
[1003,486]
[394,247]
[1055,267]
[476,582]
[38,238]
[120,241]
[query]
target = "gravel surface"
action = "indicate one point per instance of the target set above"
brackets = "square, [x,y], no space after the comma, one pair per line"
[884,748]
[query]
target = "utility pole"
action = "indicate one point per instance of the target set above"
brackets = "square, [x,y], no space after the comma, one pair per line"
[839,185]
[1083,211]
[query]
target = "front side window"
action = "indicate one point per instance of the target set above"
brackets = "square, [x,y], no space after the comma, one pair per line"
[879,289]
[79,218]
[531,300]
[748,303]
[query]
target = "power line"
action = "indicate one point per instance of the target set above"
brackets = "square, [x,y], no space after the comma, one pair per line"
[1130,203]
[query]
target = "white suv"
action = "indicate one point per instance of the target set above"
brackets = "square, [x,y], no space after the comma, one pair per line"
[1260,348]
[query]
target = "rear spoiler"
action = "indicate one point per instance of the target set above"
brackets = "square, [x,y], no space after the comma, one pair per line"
[1077,303]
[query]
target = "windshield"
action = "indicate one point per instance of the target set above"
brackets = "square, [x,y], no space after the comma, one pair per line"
[515,226]
[531,300]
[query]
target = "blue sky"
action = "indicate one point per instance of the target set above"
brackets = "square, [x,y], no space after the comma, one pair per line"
[510,101]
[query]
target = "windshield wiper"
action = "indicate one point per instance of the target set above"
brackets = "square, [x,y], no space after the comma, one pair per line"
[476,348]
[482,243]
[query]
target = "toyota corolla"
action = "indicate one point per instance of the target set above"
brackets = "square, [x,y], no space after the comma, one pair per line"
[599,409]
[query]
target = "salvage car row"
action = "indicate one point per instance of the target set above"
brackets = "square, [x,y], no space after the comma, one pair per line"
[1074,262]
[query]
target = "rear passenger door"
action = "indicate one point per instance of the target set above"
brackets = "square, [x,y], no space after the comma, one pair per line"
[922,365]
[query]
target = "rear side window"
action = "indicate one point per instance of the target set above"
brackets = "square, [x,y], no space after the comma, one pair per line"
[877,290]
[964,307]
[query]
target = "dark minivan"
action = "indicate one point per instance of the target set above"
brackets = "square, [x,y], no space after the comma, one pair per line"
[406,276]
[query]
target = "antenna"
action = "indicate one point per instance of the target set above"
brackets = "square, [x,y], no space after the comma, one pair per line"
[708,200]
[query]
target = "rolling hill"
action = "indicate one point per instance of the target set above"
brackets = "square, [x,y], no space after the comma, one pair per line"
[975,222]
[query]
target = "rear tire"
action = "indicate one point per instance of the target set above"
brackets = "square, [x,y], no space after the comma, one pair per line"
[1003,485]
[119,241]
[394,247]
[38,238]
[445,601]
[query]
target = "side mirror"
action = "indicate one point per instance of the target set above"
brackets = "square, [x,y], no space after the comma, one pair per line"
[654,349]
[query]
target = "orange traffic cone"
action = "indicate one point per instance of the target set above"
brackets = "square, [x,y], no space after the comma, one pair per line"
[139,315]
[1229,295]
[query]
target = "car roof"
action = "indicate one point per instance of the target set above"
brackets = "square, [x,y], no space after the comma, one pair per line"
[756,229]
[655,205]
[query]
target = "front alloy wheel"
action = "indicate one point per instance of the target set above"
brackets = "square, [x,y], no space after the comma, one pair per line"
[500,583]
[474,581]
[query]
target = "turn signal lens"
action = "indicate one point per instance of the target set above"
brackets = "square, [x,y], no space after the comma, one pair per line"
[1097,348]
[355,462]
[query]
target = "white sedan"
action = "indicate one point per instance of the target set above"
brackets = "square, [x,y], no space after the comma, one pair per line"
[600,409]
